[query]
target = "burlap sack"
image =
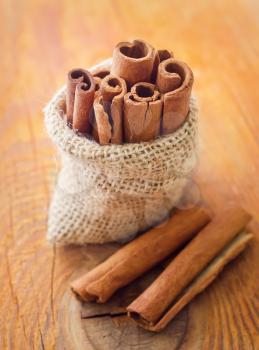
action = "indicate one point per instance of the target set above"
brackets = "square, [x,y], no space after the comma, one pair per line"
[109,193]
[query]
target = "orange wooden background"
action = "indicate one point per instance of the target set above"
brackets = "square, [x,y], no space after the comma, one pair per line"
[39,42]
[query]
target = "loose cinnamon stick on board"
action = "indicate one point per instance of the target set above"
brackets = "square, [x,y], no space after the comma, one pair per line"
[194,268]
[203,280]
[142,113]
[83,107]
[140,255]
[174,80]
[74,77]
[109,110]
[133,61]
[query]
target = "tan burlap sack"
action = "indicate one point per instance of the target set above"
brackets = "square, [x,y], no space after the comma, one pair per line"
[109,193]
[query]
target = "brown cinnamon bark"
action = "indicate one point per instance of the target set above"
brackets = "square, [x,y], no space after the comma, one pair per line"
[109,110]
[164,54]
[161,55]
[140,255]
[83,107]
[133,61]
[219,240]
[204,279]
[103,126]
[101,73]
[174,80]
[112,86]
[74,77]
[94,126]
[142,113]
[97,83]
[98,74]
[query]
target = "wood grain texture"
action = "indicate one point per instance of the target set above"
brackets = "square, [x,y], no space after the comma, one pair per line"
[40,41]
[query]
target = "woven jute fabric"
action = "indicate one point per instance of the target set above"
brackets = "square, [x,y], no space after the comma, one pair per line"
[109,193]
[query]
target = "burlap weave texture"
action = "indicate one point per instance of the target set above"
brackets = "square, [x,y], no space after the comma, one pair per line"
[108,193]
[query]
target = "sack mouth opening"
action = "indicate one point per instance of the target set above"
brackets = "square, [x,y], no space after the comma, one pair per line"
[69,141]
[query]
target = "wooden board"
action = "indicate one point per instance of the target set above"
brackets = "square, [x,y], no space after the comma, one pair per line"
[40,41]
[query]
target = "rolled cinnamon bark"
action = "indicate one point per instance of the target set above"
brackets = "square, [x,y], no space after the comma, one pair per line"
[74,77]
[142,113]
[140,255]
[160,56]
[103,129]
[109,110]
[101,73]
[194,268]
[93,119]
[174,80]
[98,75]
[97,83]
[164,54]
[112,86]
[83,107]
[133,61]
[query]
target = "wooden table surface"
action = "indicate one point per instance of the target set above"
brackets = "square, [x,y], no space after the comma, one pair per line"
[39,42]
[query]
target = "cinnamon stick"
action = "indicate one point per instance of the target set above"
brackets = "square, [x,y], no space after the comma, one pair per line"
[108,109]
[133,61]
[101,73]
[142,113]
[94,131]
[160,56]
[192,270]
[102,131]
[98,75]
[164,54]
[140,255]
[74,77]
[174,80]
[97,83]
[83,106]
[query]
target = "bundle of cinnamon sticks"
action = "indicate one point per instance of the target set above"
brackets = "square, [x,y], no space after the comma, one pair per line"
[205,246]
[145,94]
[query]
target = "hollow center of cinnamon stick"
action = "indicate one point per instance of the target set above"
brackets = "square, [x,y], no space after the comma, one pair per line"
[144,91]
[137,50]
[110,87]
[84,86]
[114,83]
[175,69]
[75,74]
